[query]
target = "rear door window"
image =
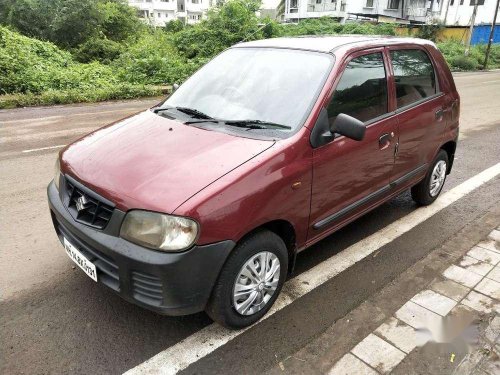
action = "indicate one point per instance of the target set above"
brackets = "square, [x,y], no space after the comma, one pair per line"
[414,76]
[362,89]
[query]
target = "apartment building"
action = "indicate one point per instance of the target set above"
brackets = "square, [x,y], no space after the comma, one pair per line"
[451,12]
[296,10]
[159,12]
[459,12]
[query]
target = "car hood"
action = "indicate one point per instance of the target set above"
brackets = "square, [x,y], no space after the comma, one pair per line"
[150,162]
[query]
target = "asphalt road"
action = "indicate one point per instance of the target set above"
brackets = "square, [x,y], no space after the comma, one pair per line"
[54,319]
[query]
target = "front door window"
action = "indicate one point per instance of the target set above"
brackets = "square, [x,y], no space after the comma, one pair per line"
[362,90]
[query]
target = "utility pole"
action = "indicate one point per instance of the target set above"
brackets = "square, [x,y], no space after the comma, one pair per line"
[492,35]
[471,28]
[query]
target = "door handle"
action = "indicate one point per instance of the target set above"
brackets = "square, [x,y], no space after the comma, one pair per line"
[385,140]
[439,114]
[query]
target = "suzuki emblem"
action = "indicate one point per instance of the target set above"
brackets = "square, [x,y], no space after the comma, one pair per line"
[81,203]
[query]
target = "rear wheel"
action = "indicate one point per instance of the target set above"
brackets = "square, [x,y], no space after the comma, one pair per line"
[427,190]
[250,281]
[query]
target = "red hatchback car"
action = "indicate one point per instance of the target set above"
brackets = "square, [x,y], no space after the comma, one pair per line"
[203,202]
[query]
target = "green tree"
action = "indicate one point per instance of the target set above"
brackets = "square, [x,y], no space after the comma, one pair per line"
[69,23]
[232,22]
[75,22]
[117,20]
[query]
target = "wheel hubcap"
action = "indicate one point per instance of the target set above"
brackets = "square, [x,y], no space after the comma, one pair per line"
[256,283]
[437,178]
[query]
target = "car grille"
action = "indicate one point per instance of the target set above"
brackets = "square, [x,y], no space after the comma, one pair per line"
[86,208]
[147,288]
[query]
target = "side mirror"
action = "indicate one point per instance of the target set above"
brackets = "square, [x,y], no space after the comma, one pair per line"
[349,127]
[175,86]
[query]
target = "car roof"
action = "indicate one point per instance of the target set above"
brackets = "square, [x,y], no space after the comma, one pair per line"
[328,43]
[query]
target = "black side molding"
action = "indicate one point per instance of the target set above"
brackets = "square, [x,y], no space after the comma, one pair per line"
[408,176]
[376,194]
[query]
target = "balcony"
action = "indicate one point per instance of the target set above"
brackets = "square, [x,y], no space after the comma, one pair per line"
[323,6]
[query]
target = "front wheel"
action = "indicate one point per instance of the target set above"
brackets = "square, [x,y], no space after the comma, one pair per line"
[250,281]
[427,190]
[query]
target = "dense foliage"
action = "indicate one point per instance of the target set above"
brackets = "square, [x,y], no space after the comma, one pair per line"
[454,53]
[31,67]
[86,50]
[69,23]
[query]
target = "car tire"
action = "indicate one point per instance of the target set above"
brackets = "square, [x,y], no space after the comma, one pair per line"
[223,304]
[425,192]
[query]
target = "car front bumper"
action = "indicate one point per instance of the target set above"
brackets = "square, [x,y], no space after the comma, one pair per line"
[168,283]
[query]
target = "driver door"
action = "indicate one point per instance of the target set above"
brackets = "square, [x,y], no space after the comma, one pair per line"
[350,176]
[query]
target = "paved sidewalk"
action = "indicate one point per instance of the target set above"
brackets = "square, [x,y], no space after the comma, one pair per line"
[449,324]
[462,309]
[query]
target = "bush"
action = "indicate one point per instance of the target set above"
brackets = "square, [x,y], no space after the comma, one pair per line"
[28,64]
[98,49]
[429,32]
[174,26]
[153,60]
[34,72]
[463,63]
[454,53]
[121,91]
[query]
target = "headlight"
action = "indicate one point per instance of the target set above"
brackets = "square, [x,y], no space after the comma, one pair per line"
[57,173]
[158,231]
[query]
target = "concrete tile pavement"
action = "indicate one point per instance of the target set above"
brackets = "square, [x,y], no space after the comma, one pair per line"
[428,310]
[436,330]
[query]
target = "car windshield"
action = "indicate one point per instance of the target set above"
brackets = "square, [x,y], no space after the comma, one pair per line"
[271,86]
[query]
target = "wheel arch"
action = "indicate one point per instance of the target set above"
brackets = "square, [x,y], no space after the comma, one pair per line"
[450,148]
[286,231]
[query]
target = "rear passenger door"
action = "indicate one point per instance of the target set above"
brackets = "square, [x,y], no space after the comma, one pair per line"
[419,110]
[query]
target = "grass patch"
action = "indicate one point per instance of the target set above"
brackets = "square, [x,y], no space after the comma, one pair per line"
[50,97]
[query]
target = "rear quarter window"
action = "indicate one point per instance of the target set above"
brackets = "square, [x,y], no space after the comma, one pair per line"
[414,76]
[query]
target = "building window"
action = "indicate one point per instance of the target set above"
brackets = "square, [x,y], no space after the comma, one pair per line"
[342,7]
[461,2]
[195,1]
[293,3]
[369,4]
[393,4]
[452,2]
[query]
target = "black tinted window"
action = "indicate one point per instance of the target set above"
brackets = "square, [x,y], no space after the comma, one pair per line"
[414,75]
[362,90]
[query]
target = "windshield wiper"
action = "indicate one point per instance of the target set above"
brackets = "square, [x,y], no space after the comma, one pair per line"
[189,111]
[256,124]
[194,112]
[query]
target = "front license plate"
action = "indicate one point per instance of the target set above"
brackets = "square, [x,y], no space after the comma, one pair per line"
[86,265]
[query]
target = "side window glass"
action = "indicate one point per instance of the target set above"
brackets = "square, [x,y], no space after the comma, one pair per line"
[414,76]
[362,90]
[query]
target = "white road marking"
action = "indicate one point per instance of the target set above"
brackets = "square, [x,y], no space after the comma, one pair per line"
[205,341]
[42,148]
